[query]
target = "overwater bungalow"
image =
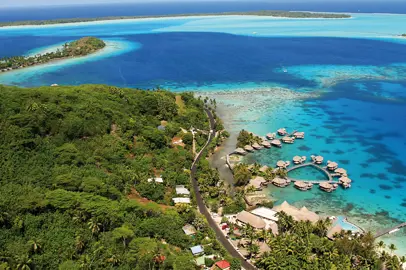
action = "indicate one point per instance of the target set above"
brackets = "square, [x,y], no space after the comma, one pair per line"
[248,148]
[328,187]
[280,182]
[298,160]
[288,139]
[256,146]
[331,165]
[299,135]
[340,171]
[345,181]
[282,132]
[240,151]
[317,159]
[281,164]
[271,136]
[277,143]
[301,185]
[266,144]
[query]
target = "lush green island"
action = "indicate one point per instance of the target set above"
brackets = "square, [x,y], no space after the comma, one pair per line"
[81,47]
[98,177]
[270,13]
[403,35]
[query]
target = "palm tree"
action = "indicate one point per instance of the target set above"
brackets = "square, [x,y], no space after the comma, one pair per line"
[35,247]
[253,249]
[114,260]
[94,226]
[380,245]
[392,248]
[79,244]
[402,260]
[24,263]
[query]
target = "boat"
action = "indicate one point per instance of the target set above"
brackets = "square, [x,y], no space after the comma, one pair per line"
[393,231]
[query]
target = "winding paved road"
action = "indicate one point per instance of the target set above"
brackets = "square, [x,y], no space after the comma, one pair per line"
[202,207]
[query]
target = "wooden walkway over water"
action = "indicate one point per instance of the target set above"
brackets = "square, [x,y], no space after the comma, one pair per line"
[330,178]
[387,231]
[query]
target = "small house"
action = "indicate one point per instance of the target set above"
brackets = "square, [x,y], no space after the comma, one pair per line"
[197,250]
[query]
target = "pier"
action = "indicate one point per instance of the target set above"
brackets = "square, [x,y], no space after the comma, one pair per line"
[387,231]
[330,178]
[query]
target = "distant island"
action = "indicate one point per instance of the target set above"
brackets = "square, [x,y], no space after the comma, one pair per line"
[403,35]
[270,13]
[81,47]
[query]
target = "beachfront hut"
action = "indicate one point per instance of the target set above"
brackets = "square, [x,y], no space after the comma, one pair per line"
[297,160]
[271,136]
[340,171]
[245,217]
[288,139]
[318,160]
[266,144]
[280,182]
[277,143]
[299,135]
[240,151]
[256,146]
[331,166]
[301,185]
[282,131]
[297,214]
[258,182]
[248,148]
[326,186]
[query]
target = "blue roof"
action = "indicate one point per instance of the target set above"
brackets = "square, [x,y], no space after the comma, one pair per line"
[197,249]
[161,127]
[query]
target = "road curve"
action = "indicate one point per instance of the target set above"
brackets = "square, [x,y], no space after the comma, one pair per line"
[202,207]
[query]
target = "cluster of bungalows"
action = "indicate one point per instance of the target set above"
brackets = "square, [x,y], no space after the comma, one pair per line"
[183,195]
[339,172]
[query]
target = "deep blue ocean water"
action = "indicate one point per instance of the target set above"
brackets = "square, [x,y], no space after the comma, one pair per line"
[344,85]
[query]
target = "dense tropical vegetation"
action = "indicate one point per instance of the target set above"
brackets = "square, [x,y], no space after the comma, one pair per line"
[247,138]
[403,35]
[74,179]
[303,245]
[81,47]
[270,13]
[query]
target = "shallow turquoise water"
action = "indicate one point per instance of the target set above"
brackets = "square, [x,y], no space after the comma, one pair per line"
[347,94]
[308,173]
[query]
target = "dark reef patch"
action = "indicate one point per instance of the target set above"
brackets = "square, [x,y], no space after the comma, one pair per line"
[364,165]
[304,148]
[385,187]
[403,204]
[387,197]
[344,161]
[339,152]
[397,168]
[325,151]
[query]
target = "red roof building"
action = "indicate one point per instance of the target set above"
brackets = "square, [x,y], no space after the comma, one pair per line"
[223,265]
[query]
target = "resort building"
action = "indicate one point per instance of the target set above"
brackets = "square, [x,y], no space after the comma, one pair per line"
[264,168]
[282,164]
[189,229]
[271,136]
[266,144]
[276,143]
[301,185]
[299,160]
[197,250]
[269,217]
[280,182]
[181,200]
[156,180]
[256,146]
[297,214]
[345,181]
[328,187]
[221,265]
[244,218]
[288,139]
[282,132]
[240,151]
[317,159]
[181,190]
[341,171]
[332,166]
[299,135]
[248,148]
[257,182]
[333,231]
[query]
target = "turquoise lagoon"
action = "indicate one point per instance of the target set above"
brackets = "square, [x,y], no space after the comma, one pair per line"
[344,86]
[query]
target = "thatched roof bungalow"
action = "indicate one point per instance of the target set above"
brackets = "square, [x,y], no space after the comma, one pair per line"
[301,185]
[299,135]
[296,213]
[288,139]
[282,131]
[331,165]
[240,151]
[257,182]
[280,182]
[256,146]
[245,217]
[266,144]
[277,143]
[248,148]
[326,186]
[271,136]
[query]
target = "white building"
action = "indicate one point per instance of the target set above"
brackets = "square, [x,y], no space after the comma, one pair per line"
[181,190]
